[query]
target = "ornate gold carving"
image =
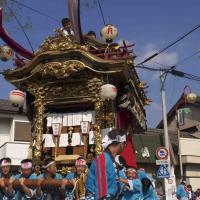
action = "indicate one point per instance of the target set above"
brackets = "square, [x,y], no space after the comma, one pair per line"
[85,88]
[142,85]
[62,69]
[39,92]
[80,191]
[98,112]
[147,102]
[60,42]
[94,84]
[139,114]
[68,91]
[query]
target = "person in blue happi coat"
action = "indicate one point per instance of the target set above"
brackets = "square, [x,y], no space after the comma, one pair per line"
[26,173]
[182,192]
[132,189]
[149,192]
[49,173]
[6,191]
[102,177]
[121,173]
[80,168]
[121,166]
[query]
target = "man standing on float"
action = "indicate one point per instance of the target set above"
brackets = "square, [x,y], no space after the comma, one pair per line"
[102,179]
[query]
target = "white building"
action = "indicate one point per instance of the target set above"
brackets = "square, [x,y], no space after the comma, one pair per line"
[15,133]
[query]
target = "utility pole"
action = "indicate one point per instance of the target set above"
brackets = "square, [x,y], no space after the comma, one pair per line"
[164,112]
[166,135]
[179,146]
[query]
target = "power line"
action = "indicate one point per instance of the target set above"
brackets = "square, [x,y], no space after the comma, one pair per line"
[185,75]
[150,68]
[18,22]
[36,11]
[151,61]
[172,71]
[101,12]
[170,45]
[188,57]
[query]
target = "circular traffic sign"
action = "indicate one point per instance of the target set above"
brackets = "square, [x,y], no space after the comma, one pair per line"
[170,181]
[162,153]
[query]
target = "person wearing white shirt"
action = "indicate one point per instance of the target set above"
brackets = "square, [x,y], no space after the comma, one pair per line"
[67,27]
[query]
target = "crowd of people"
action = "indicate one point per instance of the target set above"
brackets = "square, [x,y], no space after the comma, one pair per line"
[108,177]
[185,192]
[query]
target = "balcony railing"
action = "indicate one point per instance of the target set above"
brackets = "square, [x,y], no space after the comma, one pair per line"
[17,151]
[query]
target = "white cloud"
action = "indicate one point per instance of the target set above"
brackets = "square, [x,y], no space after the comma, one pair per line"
[163,60]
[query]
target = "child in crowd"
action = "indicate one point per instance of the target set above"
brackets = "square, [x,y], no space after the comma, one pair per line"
[132,185]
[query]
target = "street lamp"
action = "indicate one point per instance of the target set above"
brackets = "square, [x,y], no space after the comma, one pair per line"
[186,97]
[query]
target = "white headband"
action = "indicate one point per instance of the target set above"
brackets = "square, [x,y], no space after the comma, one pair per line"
[5,163]
[80,162]
[26,165]
[131,169]
[46,166]
[107,141]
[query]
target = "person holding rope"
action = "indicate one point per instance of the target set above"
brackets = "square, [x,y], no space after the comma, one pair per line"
[49,173]
[25,192]
[6,191]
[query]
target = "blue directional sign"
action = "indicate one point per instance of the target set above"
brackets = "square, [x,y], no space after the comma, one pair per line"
[163,172]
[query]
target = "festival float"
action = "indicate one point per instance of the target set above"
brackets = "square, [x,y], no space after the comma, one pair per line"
[76,89]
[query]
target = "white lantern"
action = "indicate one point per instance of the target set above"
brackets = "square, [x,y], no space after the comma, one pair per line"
[57,128]
[109,33]
[108,92]
[17,97]
[6,53]
[191,97]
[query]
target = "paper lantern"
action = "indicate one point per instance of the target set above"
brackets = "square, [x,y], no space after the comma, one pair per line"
[109,33]
[6,53]
[191,97]
[108,92]
[17,97]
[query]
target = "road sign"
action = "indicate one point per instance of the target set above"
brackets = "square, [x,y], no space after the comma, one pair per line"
[170,181]
[162,162]
[162,153]
[170,184]
[163,172]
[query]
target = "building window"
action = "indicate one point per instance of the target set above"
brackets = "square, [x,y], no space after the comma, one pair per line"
[191,130]
[5,124]
[22,131]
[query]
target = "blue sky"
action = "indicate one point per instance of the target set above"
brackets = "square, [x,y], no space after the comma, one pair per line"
[150,25]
